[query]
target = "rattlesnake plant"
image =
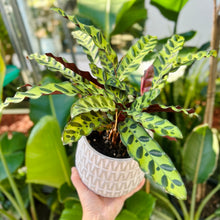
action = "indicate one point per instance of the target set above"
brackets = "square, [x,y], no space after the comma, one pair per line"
[108,101]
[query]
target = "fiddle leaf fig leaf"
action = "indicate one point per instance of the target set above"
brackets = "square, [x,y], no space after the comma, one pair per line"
[151,158]
[161,126]
[83,124]
[132,60]
[88,45]
[54,66]
[200,154]
[37,91]
[92,103]
[189,58]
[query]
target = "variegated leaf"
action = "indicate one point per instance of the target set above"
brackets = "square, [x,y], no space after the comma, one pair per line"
[145,100]
[92,103]
[88,45]
[192,57]
[151,158]
[164,61]
[87,89]
[81,125]
[53,65]
[101,75]
[52,88]
[118,95]
[161,126]
[85,74]
[116,83]
[164,108]
[132,60]
[96,35]
[107,64]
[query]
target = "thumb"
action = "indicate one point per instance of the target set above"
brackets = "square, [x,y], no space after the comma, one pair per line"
[77,182]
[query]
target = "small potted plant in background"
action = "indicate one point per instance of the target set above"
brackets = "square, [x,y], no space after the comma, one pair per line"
[111,111]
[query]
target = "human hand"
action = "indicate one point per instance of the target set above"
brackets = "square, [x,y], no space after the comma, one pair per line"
[96,207]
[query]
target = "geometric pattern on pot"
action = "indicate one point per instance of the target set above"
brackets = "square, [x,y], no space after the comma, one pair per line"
[106,176]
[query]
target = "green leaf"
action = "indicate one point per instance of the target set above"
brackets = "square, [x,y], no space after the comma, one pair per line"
[74,213]
[162,66]
[132,60]
[106,63]
[41,107]
[163,62]
[200,154]
[125,215]
[186,60]
[66,193]
[13,150]
[151,158]
[161,126]
[35,92]
[46,160]
[88,45]
[81,125]
[96,35]
[92,103]
[130,13]
[169,9]
[101,75]
[55,66]
[141,204]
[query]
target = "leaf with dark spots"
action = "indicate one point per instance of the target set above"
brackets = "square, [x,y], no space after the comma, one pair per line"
[75,69]
[167,167]
[177,182]
[144,138]
[156,153]
[139,153]
[164,181]
[157,108]
[151,167]
[130,139]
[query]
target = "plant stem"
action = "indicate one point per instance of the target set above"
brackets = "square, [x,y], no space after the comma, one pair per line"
[169,205]
[184,209]
[211,217]
[193,201]
[107,20]
[10,217]
[32,205]
[18,197]
[205,201]
[11,199]
[162,215]
[208,118]
[52,108]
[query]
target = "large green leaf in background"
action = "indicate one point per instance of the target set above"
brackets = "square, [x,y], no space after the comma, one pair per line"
[46,159]
[41,107]
[200,154]
[169,8]
[13,151]
[110,14]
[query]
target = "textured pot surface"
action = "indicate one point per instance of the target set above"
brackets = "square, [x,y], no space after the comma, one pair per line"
[104,175]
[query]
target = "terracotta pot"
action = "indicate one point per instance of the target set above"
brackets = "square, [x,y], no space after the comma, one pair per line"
[106,176]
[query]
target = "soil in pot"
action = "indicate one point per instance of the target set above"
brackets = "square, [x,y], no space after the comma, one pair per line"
[101,142]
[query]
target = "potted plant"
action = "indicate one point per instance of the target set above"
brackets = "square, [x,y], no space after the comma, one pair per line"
[109,105]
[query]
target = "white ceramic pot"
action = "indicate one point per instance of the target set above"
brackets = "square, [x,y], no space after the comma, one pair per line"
[106,176]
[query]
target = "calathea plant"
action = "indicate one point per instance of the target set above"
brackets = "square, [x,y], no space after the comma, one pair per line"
[108,101]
